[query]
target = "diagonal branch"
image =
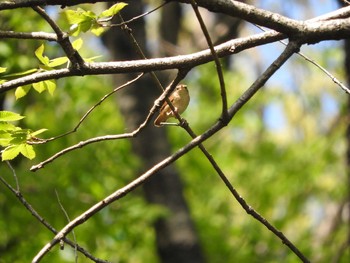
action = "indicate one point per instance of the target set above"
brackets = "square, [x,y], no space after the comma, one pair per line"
[27,205]
[153,64]
[216,60]
[63,39]
[288,52]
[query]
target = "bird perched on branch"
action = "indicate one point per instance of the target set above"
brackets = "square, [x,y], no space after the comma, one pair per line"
[180,98]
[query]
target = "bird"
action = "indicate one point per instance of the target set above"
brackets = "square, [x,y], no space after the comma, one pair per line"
[180,98]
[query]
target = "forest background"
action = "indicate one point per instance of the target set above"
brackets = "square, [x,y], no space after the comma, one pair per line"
[284,152]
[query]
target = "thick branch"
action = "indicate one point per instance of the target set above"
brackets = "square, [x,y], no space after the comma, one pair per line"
[184,61]
[29,35]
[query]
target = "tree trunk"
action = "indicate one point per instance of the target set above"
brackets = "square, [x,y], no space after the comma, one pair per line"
[177,239]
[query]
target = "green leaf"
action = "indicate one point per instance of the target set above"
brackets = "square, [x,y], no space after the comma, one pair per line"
[22,91]
[113,10]
[10,116]
[77,44]
[50,85]
[39,86]
[74,17]
[2,70]
[6,126]
[39,54]
[33,134]
[19,136]
[11,152]
[80,20]
[57,62]
[27,150]
[19,74]
[97,30]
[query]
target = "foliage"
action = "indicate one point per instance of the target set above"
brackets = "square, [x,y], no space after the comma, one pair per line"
[293,174]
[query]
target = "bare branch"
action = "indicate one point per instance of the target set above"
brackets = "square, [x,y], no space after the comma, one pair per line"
[41,141]
[119,67]
[291,49]
[27,205]
[132,134]
[30,35]
[11,4]
[334,79]
[224,115]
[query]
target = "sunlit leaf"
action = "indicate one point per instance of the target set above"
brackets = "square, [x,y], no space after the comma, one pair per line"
[113,10]
[57,62]
[2,70]
[39,86]
[78,43]
[38,132]
[6,126]
[10,152]
[19,74]
[22,91]
[10,116]
[27,150]
[50,85]
[75,16]
[97,30]
[39,54]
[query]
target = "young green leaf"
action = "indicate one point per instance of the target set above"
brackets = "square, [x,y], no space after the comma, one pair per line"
[77,44]
[10,152]
[57,62]
[21,91]
[33,134]
[39,54]
[10,116]
[50,85]
[97,30]
[113,10]
[39,86]
[27,150]
[2,70]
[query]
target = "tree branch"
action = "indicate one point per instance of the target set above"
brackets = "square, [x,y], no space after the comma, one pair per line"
[30,35]
[291,48]
[184,61]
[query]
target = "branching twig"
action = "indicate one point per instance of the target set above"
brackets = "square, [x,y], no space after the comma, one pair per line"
[334,79]
[154,77]
[291,48]
[112,137]
[153,64]
[41,141]
[138,17]
[68,219]
[224,115]
[63,39]
[25,203]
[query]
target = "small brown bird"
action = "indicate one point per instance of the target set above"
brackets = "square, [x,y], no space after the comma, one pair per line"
[180,99]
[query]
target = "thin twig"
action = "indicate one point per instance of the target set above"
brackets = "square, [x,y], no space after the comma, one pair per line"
[63,39]
[334,79]
[153,75]
[112,137]
[41,141]
[137,17]
[291,48]
[68,220]
[224,115]
[27,205]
